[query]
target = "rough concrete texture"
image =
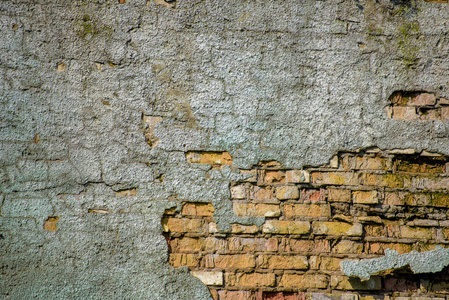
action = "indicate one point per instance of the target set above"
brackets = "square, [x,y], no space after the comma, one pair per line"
[292,81]
[420,262]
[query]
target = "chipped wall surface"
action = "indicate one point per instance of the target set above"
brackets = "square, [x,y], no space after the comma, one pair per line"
[108,108]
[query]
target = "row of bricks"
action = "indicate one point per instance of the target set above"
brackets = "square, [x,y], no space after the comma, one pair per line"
[347,163]
[299,209]
[196,247]
[299,281]
[372,160]
[355,194]
[219,294]
[389,229]
[413,113]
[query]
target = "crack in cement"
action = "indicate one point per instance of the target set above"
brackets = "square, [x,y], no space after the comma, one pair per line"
[420,262]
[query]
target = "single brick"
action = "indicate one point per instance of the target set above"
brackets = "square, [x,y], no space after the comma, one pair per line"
[264,195]
[365,197]
[372,163]
[416,232]
[307,210]
[395,198]
[212,158]
[238,228]
[328,263]
[215,244]
[417,199]
[420,167]
[238,192]
[423,99]
[335,178]
[348,247]
[337,228]
[297,176]
[423,223]
[429,183]
[209,277]
[379,248]
[404,113]
[234,295]
[312,195]
[236,261]
[350,284]
[184,259]
[339,195]
[283,262]
[286,227]
[245,209]
[198,209]
[311,246]
[281,296]
[375,230]
[256,279]
[253,244]
[440,200]
[274,177]
[287,192]
[387,180]
[182,225]
[305,281]
[187,244]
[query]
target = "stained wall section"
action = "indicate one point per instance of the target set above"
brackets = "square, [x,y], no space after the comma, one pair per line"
[101,101]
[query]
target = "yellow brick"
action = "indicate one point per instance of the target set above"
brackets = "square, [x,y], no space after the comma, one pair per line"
[387,180]
[287,192]
[51,224]
[283,262]
[274,176]
[330,263]
[372,163]
[245,209]
[184,259]
[198,209]
[365,197]
[187,244]
[339,195]
[213,158]
[395,198]
[304,281]
[379,248]
[416,232]
[337,228]
[256,279]
[238,228]
[335,178]
[286,227]
[348,247]
[182,225]
[236,261]
[307,210]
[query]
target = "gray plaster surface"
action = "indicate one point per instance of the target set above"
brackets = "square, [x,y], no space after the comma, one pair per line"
[293,81]
[420,262]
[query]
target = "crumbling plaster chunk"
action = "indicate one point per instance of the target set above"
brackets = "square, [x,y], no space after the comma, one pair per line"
[420,262]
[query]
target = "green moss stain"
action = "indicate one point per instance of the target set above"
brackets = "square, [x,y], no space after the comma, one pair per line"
[408,50]
[88,29]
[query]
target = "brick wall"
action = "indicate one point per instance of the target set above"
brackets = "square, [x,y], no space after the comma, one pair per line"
[357,206]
